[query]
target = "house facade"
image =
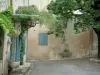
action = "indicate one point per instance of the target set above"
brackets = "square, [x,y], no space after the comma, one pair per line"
[15,48]
[16,40]
[42,46]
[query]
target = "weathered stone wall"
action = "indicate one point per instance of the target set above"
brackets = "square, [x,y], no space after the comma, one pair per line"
[80,43]
[6,53]
[77,44]
[36,51]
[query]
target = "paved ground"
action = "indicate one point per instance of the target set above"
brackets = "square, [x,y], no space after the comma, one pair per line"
[65,67]
[21,70]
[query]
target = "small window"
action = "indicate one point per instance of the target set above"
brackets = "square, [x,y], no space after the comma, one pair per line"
[43,39]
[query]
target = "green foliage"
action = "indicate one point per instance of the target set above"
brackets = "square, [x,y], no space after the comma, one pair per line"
[54,23]
[39,17]
[6,22]
[24,28]
[30,10]
[62,8]
[62,14]
[42,18]
[47,19]
[57,29]
[27,10]
[66,8]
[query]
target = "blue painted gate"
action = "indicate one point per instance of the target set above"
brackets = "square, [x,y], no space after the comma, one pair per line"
[18,46]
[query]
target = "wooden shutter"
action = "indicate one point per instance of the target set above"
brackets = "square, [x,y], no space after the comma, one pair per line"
[43,39]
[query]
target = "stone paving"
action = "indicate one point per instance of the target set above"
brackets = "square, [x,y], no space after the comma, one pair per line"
[65,67]
[22,70]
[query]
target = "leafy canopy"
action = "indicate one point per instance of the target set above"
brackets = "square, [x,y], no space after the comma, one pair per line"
[66,9]
[37,16]
[41,17]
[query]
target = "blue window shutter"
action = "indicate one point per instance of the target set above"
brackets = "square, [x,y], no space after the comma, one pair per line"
[43,39]
[12,49]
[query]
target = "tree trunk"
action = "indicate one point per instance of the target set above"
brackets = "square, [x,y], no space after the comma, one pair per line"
[98,35]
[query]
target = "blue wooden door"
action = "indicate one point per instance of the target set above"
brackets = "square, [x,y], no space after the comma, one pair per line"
[12,49]
[17,49]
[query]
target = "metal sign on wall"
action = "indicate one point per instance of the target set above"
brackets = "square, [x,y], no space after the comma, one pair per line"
[4,4]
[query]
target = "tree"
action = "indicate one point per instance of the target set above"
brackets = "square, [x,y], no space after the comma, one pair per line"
[88,19]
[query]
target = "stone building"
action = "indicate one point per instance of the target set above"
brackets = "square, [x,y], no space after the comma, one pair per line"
[42,46]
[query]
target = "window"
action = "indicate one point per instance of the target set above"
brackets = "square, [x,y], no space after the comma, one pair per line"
[43,39]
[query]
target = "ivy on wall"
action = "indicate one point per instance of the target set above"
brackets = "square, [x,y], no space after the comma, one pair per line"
[24,20]
[24,28]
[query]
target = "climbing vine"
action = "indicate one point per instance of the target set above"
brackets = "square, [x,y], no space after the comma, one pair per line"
[24,20]
[24,28]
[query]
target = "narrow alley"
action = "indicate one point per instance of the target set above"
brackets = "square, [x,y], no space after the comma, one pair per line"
[49,37]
